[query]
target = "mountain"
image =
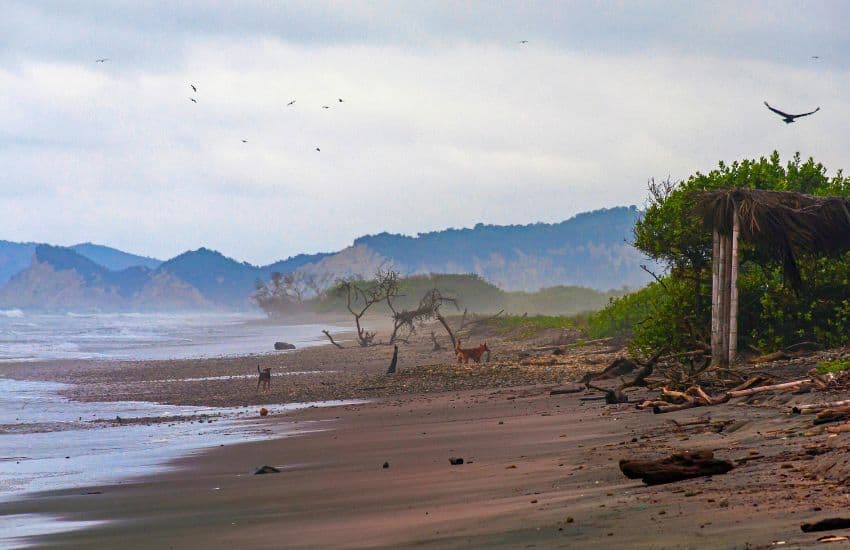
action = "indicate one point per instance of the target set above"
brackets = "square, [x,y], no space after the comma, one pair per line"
[14,258]
[61,279]
[590,249]
[112,258]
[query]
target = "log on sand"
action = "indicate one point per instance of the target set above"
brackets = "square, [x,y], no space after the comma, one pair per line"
[812,408]
[676,467]
[839,429]
[826,525]
[832,415]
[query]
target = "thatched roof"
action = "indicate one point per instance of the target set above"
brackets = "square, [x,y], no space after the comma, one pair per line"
[784,223]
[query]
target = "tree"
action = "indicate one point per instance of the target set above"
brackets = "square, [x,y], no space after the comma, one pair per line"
[676,309]
[360,296]
[428,308]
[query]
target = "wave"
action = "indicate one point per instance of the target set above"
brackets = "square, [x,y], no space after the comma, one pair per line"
[11,313]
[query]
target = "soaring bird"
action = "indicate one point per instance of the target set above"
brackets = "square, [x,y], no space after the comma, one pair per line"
[815,57]
[101,60]
[193,88]
[339,99]
[523,42]
[325,107]
[789,118]
[290,103]
[193,100]
[244,141]
[317,149]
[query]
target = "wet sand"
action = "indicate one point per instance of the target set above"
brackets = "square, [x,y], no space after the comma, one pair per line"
[541,471]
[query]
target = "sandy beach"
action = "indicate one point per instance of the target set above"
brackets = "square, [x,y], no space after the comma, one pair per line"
[539,470]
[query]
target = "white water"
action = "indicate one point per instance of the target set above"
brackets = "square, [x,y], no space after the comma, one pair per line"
[32,337]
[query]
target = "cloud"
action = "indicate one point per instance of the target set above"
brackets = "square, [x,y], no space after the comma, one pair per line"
[446,119]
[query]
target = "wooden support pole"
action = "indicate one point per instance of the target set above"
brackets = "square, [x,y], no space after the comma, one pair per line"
[715,300]
[722,305]
[733,289]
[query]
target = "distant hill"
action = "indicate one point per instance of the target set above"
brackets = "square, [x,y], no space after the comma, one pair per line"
[16,257]
[61,279]
[588,250]
[112,258]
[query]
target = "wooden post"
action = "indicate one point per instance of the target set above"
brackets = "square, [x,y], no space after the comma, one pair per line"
[715,298]
[733,289]
[722,305]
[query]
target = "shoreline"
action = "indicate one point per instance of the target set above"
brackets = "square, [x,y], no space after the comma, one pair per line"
[539,469]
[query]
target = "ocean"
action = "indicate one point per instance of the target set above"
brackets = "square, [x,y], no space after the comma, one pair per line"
[48,442]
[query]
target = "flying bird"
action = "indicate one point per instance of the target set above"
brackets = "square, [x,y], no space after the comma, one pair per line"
[325,107]
[290,103]
[340,100]
[244,141]
[101,60]
[789,118]
[317,149]
[194,89]
[815,57]
[523,42]
[193,100]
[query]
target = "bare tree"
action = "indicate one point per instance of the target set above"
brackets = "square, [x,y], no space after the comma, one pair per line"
[360,296]
[428,308]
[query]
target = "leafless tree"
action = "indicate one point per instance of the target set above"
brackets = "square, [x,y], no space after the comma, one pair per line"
[405,321]
[360,296]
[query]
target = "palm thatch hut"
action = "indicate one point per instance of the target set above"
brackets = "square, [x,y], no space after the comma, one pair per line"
[783,223]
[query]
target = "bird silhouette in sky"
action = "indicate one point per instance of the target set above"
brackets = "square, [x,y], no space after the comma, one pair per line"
[244,141]
[339,99]
[193,100]
[317,149]
[325,107]
[291,103]
[787,118]
[194,89]
[523,42]
[815,57]
[101,60]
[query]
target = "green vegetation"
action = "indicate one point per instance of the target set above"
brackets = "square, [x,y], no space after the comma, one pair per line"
[476,295]
[676,309]
[834,367]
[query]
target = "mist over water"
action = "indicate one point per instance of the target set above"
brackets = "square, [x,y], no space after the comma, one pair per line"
[137,336]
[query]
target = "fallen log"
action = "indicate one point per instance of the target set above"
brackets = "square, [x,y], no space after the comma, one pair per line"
[826,525]
[812,408]
[794,385]
[768,357]
[832,415]
[676,467]
[660,409]
[571,389]
[839,429]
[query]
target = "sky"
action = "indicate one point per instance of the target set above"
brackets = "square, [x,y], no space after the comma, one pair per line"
[447,119]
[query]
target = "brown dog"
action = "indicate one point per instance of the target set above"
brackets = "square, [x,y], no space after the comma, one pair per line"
[265,379]
[465,354]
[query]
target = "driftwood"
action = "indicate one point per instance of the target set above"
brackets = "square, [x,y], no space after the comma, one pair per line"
[768,357]
[826,525]
[679,466]
[571,389]
[794,385]
[619,367]
[331,338]
[839,429]
[811,408]
[696,397]
[832,415]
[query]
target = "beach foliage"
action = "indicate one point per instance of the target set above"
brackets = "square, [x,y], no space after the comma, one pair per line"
[676,309]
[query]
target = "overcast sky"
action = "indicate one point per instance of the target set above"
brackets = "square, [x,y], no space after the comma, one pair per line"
[447,120]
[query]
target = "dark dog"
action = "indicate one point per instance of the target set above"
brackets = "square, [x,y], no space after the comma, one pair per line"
[265,379]
[465,354]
